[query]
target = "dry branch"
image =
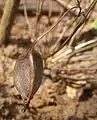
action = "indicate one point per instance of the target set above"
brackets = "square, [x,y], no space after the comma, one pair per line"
[80,21]
[7,18]
[67,6]
[79,48]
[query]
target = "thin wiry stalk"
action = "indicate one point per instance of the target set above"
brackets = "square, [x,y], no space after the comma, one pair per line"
[80,22]
[77,48]
[50,12]
[57,44]
[58,21]
[66,5]
[87,18]
[38,14]
[27,21]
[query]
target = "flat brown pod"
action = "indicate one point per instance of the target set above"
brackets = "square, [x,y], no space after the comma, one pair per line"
[28,73]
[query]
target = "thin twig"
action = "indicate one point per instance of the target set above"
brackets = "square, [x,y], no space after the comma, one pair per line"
[80,22]
[92,45]
[66,6]
[58,21]
[27,21]
[82,46]
[50,12]
[54,74]
[38,14]
[57,44]
[85,22]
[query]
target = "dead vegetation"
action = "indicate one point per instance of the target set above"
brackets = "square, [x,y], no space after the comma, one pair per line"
[62,32]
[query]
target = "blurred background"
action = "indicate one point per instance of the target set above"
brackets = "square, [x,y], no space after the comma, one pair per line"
[69,52]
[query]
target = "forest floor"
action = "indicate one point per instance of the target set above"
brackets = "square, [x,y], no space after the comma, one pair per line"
[56,99]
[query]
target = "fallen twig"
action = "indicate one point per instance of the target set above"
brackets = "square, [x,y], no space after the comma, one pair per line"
[78,48]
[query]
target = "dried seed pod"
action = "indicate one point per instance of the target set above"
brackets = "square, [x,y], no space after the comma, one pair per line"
[28,72]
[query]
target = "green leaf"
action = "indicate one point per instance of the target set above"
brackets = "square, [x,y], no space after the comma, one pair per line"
[94,24]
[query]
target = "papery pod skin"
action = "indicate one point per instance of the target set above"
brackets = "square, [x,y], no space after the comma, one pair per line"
[28,73]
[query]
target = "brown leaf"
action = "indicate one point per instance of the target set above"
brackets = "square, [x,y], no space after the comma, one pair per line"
[28,72]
